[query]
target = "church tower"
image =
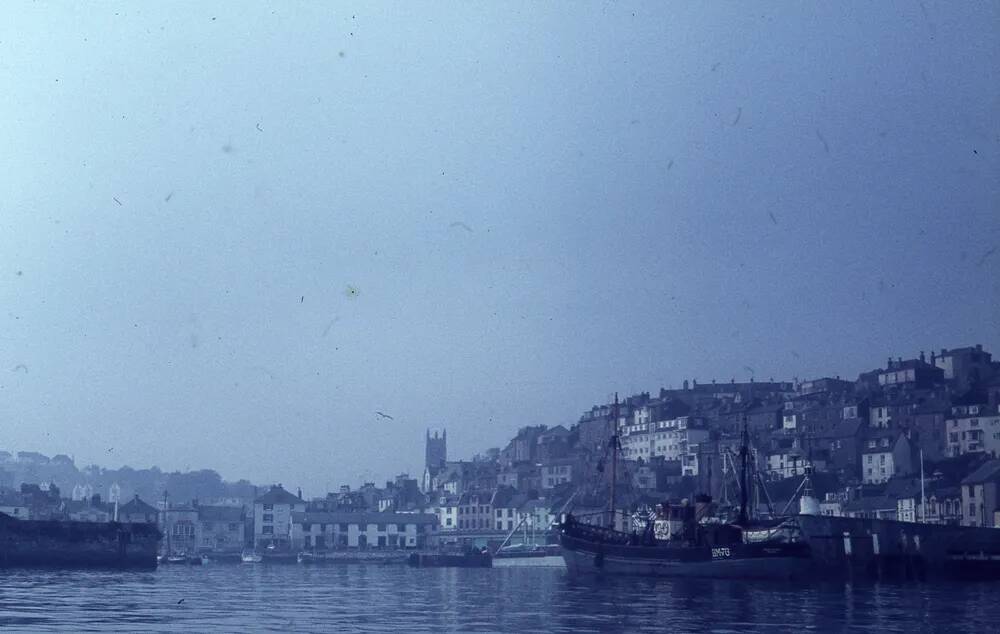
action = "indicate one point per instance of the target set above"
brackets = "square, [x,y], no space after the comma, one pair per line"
[436,449]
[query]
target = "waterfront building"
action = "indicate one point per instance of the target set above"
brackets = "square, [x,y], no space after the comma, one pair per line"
[331,531]
[178,524]
[942,502]
[272,517]
[979,495]
[221,528]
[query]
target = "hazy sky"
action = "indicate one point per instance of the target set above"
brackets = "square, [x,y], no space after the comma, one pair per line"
[229,235]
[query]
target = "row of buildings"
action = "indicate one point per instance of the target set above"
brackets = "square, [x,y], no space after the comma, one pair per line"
[914,440]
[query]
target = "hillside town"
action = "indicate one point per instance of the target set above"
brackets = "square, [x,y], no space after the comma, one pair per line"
[915,440]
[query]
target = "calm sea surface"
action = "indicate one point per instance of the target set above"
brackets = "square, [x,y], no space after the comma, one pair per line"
[231,598]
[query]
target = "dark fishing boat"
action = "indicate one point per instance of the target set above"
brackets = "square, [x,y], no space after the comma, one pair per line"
[758,550]
[679,540]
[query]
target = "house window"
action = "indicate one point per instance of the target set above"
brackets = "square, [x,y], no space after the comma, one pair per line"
[381,528]
[268,530]
[268,517]
[234,527]
[972,509]
[400,528]
[343,528]
[268,507]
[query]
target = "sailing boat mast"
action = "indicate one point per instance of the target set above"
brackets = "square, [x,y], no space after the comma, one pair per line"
[165,527]
[744,472]
[614,459]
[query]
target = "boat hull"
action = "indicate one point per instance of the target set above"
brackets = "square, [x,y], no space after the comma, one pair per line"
[736,561]
[69,544]
[888,548]
[447,560]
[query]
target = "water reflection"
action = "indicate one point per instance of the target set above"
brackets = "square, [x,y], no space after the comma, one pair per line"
[399,599]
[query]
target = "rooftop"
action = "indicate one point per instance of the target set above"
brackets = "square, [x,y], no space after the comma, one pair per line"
[278,495]
[989,470]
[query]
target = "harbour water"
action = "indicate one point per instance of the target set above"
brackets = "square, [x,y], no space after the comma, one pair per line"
[353,598]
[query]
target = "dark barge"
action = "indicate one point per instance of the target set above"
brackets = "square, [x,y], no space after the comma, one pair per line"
[887,548]
[71,544]
[468,559]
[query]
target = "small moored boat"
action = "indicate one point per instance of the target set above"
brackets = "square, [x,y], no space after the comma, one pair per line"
[250,557]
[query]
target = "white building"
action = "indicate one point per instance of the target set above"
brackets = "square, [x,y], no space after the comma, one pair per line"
[973,429]
[791,462]
[667,438]
[886,456]
[557,472]
[272,517]
[446,511]
[330,531]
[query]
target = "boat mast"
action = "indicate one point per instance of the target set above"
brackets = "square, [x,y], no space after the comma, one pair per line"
[744,470]
[923,498]
[614,459]
[165,529]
